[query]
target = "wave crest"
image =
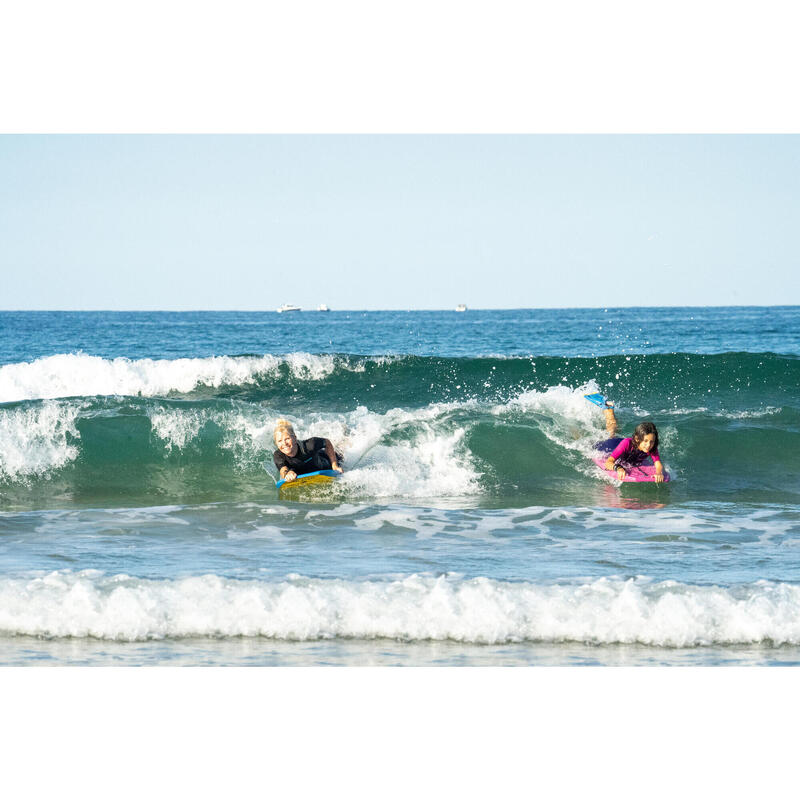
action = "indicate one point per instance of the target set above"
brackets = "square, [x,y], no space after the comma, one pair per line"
[36,439]
[413,608]
[81,375]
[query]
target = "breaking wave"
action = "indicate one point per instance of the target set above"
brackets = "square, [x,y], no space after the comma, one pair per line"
[416,607]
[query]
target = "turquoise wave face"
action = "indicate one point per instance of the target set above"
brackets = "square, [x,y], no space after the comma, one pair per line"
[730,381]
[678,380]
[469,431]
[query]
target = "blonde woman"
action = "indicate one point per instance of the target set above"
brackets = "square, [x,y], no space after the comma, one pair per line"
[293,457]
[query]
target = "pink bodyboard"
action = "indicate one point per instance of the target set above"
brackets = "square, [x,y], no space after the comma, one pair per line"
[642,474]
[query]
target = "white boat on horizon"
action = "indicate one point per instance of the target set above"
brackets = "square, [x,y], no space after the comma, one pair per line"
[461,307]
[287,307]
[322,307]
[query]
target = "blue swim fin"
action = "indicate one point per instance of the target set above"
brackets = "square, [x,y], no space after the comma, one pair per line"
[599,400]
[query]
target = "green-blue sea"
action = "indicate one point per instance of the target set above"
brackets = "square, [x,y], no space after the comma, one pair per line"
[140,523]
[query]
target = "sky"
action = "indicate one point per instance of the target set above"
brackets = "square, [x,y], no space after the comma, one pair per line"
[398,221]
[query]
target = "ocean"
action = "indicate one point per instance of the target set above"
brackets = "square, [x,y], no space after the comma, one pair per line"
[140,524]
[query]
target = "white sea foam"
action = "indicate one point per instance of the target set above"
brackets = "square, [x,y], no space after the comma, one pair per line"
[409,453]
[429,522]
[567,408]
[36,439]
[563,415]
[178,427]
[81,375]
[258,532]
[562,401]
[340,510]
[246,430]
[97,521]
[413,608]
[431,465]
[764,525]
[769,411]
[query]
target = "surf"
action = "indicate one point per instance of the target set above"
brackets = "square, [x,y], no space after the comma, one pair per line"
[534,447]
[410,608]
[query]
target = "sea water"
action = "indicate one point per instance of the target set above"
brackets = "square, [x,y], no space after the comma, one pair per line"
[140,524]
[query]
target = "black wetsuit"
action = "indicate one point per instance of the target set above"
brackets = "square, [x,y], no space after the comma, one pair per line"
[310,457]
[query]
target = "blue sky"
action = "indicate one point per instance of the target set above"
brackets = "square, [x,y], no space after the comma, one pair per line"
[426,221]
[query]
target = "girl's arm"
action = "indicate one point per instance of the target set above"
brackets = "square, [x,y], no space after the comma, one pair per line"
[610,465]
[659,476]
[616,453]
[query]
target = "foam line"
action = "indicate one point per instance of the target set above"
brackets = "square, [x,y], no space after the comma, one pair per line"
[81,375]
[414,608]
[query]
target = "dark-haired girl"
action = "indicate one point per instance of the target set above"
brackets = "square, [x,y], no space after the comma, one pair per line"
[631,452]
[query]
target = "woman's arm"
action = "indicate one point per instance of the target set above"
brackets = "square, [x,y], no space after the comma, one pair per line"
[287,474]
[284,473]
[331,453]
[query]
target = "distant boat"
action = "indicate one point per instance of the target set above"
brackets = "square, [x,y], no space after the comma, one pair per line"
[287,307]
[322,307]
[461,307]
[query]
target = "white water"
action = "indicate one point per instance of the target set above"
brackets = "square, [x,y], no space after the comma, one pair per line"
[37,439]
[414,608]
[81,375]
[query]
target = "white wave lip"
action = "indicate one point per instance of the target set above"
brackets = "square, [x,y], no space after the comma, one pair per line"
[412,608]
[81,375]
[35,440]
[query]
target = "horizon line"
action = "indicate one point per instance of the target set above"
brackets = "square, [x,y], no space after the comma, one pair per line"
[350,310]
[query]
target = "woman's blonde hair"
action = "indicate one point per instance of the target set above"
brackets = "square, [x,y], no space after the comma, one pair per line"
[282,425]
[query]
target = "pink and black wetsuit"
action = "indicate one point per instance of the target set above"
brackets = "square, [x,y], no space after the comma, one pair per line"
[625,453]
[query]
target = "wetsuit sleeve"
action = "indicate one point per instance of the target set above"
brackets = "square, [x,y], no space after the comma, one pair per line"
[279,459]
[654,455]
[621,449]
